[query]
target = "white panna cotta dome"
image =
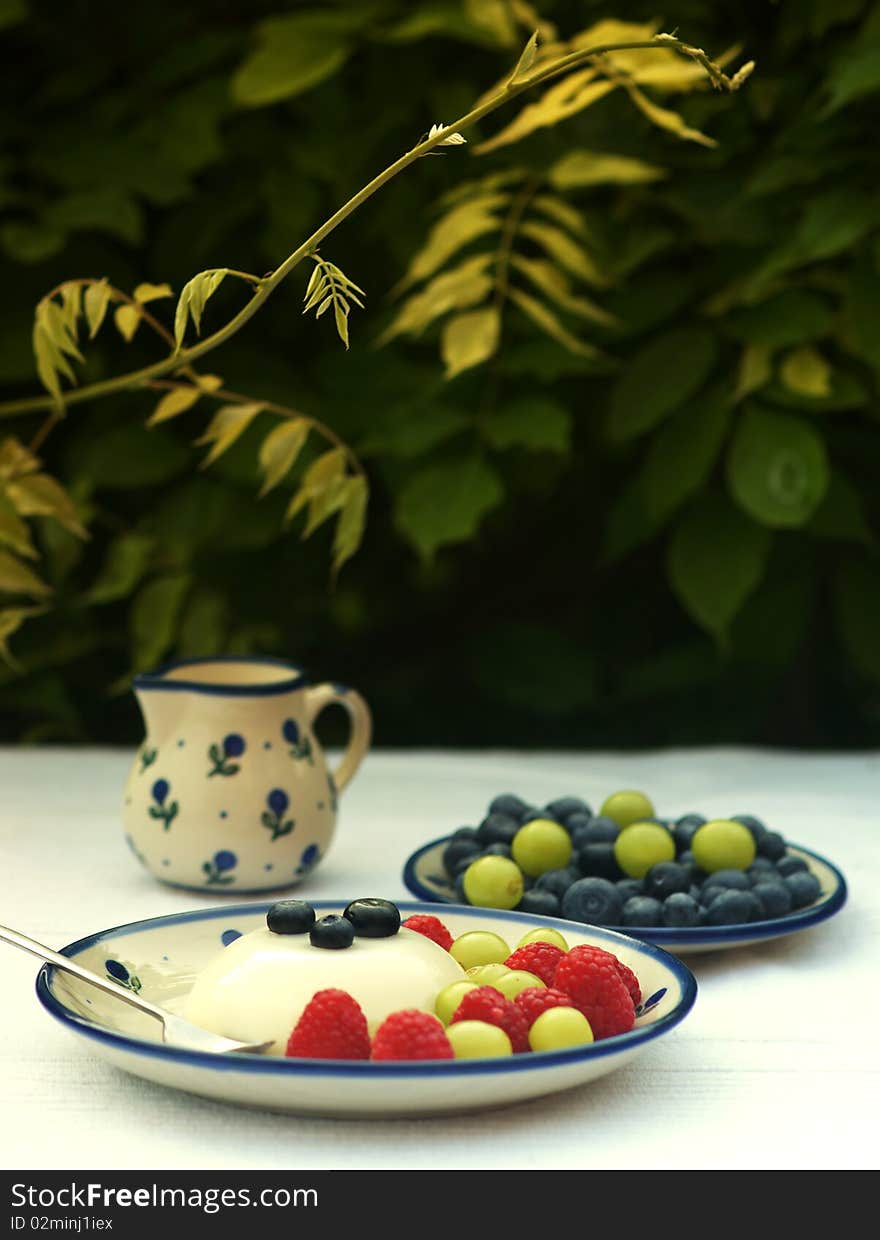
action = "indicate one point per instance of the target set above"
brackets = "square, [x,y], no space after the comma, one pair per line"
[255,989]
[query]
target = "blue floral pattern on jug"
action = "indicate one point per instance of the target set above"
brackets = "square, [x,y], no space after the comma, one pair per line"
[163,809]
[117,972]
[300,746]
[309,859]
[650,1002]
[229,936]
[147,758]
[217,869]
[232,746]
[273,818]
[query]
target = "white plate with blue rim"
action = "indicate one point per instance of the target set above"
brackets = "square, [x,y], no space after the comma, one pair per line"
[161,958]
[426,878]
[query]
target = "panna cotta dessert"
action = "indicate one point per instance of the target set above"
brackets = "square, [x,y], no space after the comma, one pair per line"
[256,988]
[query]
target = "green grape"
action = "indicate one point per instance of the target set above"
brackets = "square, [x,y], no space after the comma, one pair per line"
[478,947]
[488,974]
[560,1027]
[723,845]
[544,936]
[541,845]
[627,807]
[446,1003]
[641,845]
[515,980]
[493,882]
[477,1039]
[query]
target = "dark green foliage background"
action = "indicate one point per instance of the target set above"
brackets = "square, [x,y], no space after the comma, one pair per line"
[123,153]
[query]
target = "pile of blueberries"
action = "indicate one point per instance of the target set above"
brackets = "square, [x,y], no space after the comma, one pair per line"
[594,890]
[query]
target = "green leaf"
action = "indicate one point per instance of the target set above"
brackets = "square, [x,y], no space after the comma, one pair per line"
[154,617]
[469,339]
[715,559]
[777,467]
[459,289]
[537,423]
[413,431]
[226,426]
[279,451]
[793,316]
[845,391]
[856,74]
[580,168]
[95,302]
[352,519]
[526,60]
[204,625]
[542,316]
[659,378]
[857,609]
[127,560]
[841,515]
[806,372]
[127,319]
[127,456]
[13,531]
[192,300]
[292,55]
[39,495]
[681,456]
[446,502]
[861,311]
[561,247]
[17,578]
[175,402]
[152,292]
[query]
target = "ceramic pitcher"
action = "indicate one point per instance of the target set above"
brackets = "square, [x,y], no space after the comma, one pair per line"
[230,791]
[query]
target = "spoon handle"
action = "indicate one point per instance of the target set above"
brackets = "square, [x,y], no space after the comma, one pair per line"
[67,965]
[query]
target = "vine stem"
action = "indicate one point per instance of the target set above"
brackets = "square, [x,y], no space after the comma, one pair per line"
[264,289]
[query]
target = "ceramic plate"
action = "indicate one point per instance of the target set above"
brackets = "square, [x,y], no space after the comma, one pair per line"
[425,877]
[161,957]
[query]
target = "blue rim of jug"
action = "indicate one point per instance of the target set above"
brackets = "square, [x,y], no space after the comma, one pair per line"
[296,678]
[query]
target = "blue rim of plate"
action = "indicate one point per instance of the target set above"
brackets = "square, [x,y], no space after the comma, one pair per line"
[681,936]
[533,1062]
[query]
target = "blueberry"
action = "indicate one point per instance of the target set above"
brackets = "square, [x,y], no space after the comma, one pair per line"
[466,833]
[539,901]
[373,919]
[761,869]
[774,897]
[463,862]
[642,911]
[497,850]
[680,909]
[290,917]
[599,830]
[455,850]
[557,881]
[459,889]
[593,901]
[497,829]
[508,803]
[530,814]
[732,907]
[332,932]
[577,823]
[791,865]
[755,825]
[771,845]
[685,830]
[664,878]
[694,873]
[804,888]
[599,860]
[738,879]
[563,807]
[629,887]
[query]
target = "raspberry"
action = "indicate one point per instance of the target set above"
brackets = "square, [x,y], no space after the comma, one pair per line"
[332,1026]
[537,999]
[630,981]
[489,1005]
[538,958]
[411,1034]
[590,976]
[431,927]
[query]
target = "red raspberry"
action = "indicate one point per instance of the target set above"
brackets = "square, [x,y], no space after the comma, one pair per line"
[431,927]
[537,999]
[411,1034]
[538,958]
[488,1004]
[332,1026]
[590,976]
[630,981]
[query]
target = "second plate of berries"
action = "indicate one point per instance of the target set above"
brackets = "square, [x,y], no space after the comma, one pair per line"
[689,884]
[412,1010]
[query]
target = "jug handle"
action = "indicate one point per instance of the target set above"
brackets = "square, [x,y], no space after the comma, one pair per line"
[320,696]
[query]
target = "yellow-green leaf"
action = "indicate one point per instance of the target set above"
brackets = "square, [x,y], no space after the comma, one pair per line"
[469,339]
[227,424]
[580,168]
[39,495]
[665,118]
[152,292]
[352,518]
[549,323]
[13,531]
[17,578]
[561,212]
[295,52]
[526,60]
[177,401]
[805,371]
[567,252]
[463,224]
[554,284]
[572,94]
[11,620]
[755,368]
[127,319]
[208,383]
[71,303]
[192,300]
[323,475]
[16,459]
[458,289]
[95,302]
[327,501]
[280,449]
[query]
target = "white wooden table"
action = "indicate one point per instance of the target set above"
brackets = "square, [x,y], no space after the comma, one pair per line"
[777,1066]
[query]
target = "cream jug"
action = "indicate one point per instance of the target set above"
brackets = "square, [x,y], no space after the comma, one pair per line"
[230,791]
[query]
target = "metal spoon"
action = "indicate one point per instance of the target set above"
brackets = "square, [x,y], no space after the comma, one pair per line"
[175,1030]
